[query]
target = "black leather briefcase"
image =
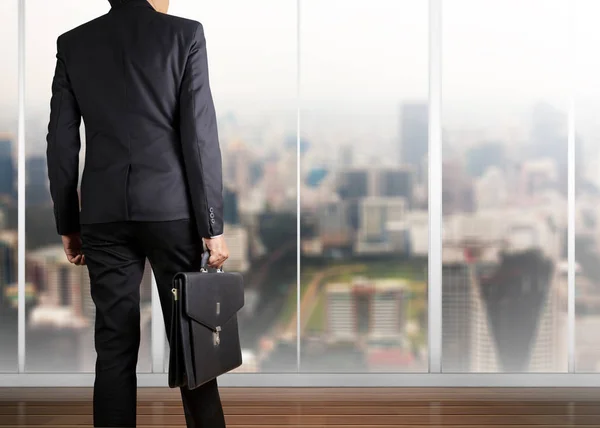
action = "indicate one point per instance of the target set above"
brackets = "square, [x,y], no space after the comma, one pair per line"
[204,337]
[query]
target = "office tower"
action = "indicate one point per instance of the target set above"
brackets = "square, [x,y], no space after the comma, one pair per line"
[37,191]
[385,181]
[396,182]
[414,134]
[518,296]
[418,233]
[7,167]
[373,220]
[500,297]
[502,317]
[334,227]
[8,262]
[383,225]
[457,311]
[60,288]
[364,308]
[231,213]
[237,237]
[353,183]
[340,317]
[387,308]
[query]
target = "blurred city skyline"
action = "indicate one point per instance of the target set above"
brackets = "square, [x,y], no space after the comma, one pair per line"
[363,181]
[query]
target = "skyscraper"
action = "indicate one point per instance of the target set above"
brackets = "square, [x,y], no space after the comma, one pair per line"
[7,168]
[8,261]
[37,191]
[414,133]
[354,183]
[396,182]
[230,203]
[502,317]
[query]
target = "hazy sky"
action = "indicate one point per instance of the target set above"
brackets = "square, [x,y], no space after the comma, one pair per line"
[364,56]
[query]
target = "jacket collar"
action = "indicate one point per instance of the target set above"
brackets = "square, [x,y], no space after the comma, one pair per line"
[132,3]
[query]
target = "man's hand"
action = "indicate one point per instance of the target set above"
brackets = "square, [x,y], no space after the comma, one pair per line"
[72,245]
[218,251]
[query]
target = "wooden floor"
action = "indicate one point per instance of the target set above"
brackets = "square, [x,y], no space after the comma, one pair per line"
[325,407]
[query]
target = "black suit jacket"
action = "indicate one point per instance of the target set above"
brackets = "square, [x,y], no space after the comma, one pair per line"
[139,79]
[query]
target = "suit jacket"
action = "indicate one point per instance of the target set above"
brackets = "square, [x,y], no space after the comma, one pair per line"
[139,79]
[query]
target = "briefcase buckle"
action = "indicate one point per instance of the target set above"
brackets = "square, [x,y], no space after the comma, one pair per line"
[216,337]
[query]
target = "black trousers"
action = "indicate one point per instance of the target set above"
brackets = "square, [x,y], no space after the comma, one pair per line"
[116,254]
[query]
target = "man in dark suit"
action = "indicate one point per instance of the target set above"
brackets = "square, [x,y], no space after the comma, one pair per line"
[152,183]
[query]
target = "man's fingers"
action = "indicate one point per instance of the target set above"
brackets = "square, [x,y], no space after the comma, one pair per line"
[217,260]
[218,251]
[74,258]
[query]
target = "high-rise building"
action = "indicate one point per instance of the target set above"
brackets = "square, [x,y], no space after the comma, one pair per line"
[8,262]
[383,226]
[414,133]
[396,182]
[418,232]
[354,183]
[364,307]
[238,260]
[60,288]
[385,181]
[457,310]
[7,167]
[334,226]
[231,213]
[502,317]
[37,190]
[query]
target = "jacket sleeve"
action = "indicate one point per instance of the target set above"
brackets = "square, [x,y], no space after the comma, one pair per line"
[62,152]
[200,141]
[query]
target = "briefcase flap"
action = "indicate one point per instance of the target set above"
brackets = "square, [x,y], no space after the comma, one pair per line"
[212,298]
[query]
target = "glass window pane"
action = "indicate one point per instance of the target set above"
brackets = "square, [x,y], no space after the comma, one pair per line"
[253,74]
[8,186]
[364,222]
[60,311]
[504,185]
[587,172]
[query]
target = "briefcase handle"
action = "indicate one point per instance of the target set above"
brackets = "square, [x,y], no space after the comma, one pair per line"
[204,262]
